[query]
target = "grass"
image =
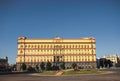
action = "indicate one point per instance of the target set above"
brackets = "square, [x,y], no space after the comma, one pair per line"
[83,72]
[48,73]
[72,72]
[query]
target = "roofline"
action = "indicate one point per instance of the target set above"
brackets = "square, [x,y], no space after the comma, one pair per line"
[83,38]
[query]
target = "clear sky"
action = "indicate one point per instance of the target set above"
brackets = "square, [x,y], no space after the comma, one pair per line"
[65,18]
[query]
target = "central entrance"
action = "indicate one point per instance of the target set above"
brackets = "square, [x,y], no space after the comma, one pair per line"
[58,55]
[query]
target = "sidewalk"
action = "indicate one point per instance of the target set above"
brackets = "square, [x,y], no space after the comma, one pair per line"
[59,73]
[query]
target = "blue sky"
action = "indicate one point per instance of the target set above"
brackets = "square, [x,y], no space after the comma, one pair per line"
[65,18]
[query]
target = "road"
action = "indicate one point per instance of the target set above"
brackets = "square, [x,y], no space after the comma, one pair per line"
[115,76]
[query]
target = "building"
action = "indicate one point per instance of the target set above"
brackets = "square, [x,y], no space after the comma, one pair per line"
[4,66]
[57,50]
[114,58]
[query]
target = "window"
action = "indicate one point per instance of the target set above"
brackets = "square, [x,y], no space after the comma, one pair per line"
[70,46]
[73,46]
[21,51]
[21,46]
[47,46]
[66,46]
[81,46]
[28,46]
[88,46]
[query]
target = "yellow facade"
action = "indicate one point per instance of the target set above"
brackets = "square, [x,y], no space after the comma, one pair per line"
[34,51]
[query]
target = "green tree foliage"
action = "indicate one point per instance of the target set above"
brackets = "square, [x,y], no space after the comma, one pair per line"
[42,66]
[54,67]
[110,63]
[62,66]
[37,68]
[48,66]
[74,65]
[23,67]
[13,67]
[31,69]
[105,63]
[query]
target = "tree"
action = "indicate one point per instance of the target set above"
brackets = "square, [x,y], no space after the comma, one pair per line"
[31,69]
[74,66]
[48,66]
[42,66]
[62,66]
[101,63]
[13,67]
[54,67]
[105,63]
[110,63]
[37,68]
[23,67]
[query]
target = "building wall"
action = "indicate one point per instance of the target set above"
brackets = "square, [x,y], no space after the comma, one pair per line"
[114,58]
[33,51]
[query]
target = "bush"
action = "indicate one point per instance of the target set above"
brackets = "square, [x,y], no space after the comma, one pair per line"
[62,66]
[55,67]
[31,69]
[48,66]
[23,67]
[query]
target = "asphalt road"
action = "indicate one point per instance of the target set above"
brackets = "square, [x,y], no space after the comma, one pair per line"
[115,76]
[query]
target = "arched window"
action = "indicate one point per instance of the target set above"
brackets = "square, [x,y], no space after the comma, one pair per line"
[21,46]
[21,51]
[47,46]
[76,46]
[69,46]
[28,46]
[81,46]
[35,46]
[88,46]
[73,46]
